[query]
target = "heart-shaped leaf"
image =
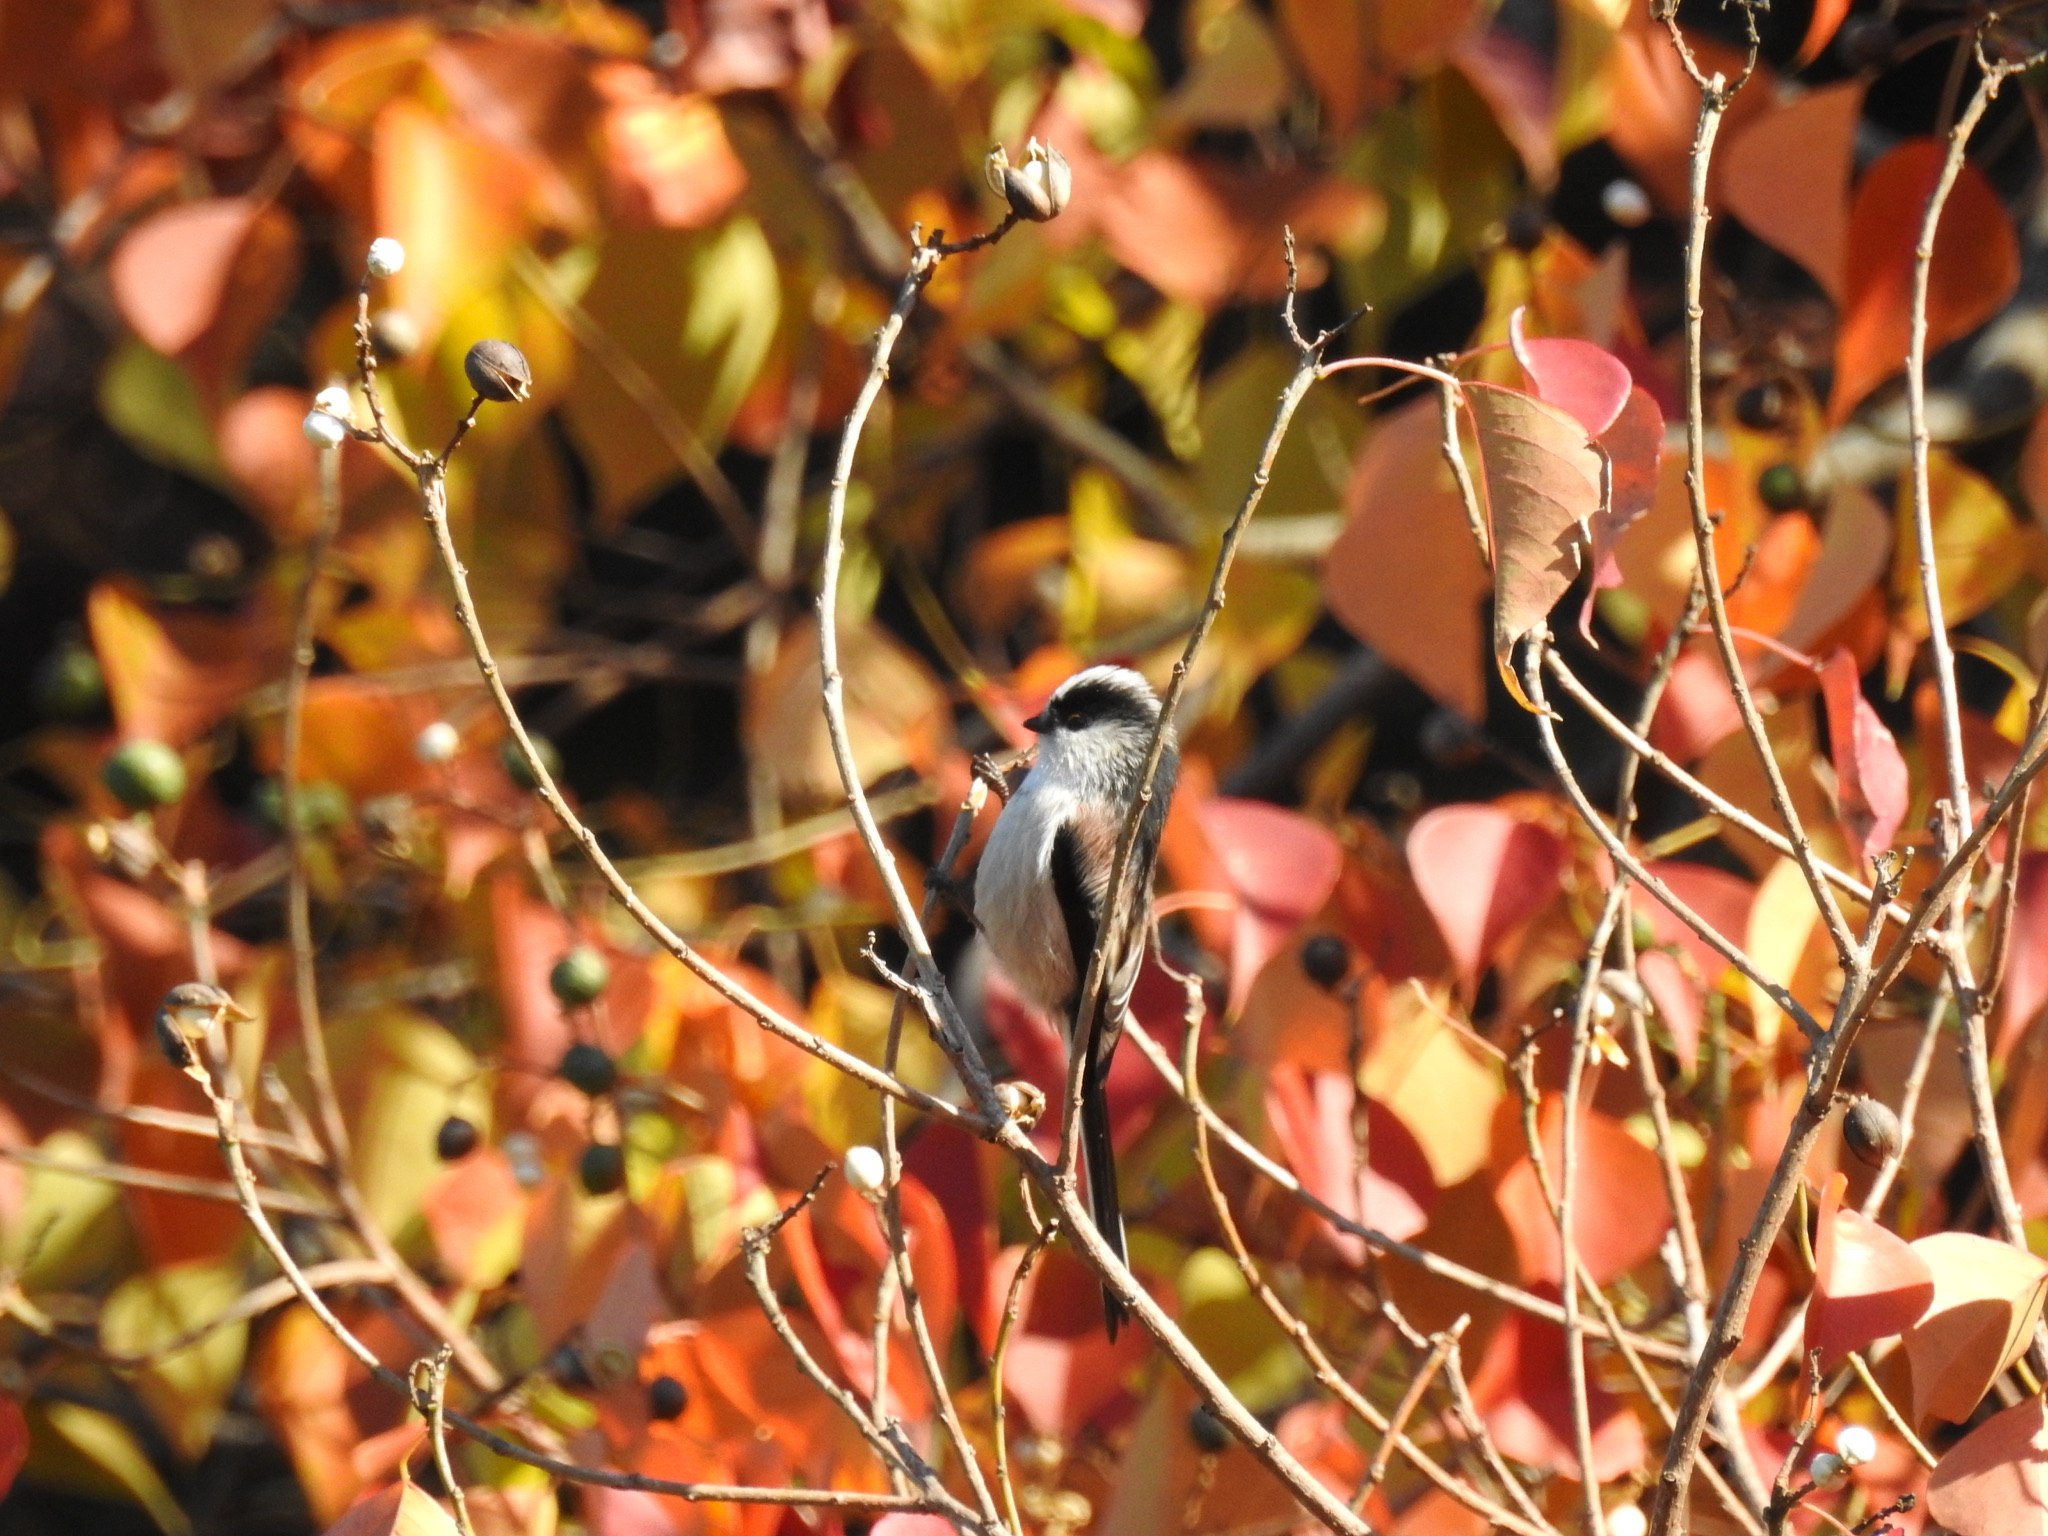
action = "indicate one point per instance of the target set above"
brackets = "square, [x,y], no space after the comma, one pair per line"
[1587,382]
[1786,176]
[400,1510]
[1404,575]
[1619,1210]
[1543,482]
[1987,1298]
[1995,1481]
[1868,1284]
[1481,873]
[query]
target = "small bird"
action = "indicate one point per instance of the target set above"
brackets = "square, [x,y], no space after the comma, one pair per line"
[188,1012]
[1044,881]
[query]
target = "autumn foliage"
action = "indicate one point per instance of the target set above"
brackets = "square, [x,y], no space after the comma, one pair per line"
[1597,1022]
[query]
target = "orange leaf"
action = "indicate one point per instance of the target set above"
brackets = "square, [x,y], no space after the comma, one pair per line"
[1521,1392]
[172,673]
[1619,1211]
[1976,266]
[1995,1481]
[667,158]
[1987,1298]
[1868,1284]
[1826,21]
[400,1510]
[1786,176]
[1404,575]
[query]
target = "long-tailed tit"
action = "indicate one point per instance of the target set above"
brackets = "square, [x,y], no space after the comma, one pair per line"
[1044,880]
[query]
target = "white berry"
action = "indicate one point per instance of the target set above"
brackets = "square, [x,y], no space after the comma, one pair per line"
[1625,203]
[437,743]
[1828,1470]
[386,257]
[335,401]
[864,1171]
[1855,1444]
[323,430]
[1627,1520]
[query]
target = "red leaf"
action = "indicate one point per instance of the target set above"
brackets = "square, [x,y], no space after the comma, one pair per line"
[912,1525]
[467,1204]
[1481,873]
[1678,1000]
[1634,443]
[1588,382]
[1786,176]
[1698,709]
[1404,575]
[1722,899]
[2026,972]
[1868,1284]
[1619,1211]
[1282,867]
[1976,266]
[170,274]
[1522,1392]
[1311,1115]
[1995,1481]
[13,1442]
[1871,782]
[1542,479]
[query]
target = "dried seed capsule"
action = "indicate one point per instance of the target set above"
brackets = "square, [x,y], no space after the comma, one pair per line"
[498,371]
[1038,189]
[1872,1132]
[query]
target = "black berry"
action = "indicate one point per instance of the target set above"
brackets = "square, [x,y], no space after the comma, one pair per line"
[602,1168]
[456,1139]
[666,1398]
[586,1066]
[1326,960]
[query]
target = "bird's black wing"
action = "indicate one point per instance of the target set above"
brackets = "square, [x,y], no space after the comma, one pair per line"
[1079,908]
[1079,905]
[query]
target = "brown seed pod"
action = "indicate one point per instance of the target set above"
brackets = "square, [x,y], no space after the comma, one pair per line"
[1872,1132]
[498,371]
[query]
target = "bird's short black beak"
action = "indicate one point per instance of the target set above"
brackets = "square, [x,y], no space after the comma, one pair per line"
[1039,721]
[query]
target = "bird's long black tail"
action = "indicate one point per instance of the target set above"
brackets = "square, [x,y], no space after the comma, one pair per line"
[1103,1206]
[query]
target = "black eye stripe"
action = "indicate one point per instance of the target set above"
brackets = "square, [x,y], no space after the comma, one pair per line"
[1095,702]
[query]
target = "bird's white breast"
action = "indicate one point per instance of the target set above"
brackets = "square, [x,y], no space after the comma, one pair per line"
[1013,894]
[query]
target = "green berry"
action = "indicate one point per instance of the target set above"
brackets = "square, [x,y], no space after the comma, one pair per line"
[602,1168]
[579,976]
[69,684]
[323,805]
[1782,488]
[587,1067]
[142,774]
[520,771]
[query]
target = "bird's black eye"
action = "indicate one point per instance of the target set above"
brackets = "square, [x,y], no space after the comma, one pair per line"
[1073,721]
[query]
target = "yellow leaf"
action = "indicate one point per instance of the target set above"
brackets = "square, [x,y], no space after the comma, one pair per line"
[73,1446]
[1781,925]
[1435,1081]
[1980,549]
[186,1390]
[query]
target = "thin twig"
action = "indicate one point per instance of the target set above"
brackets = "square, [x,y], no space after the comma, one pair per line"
[430,1397]
[1000,1356]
